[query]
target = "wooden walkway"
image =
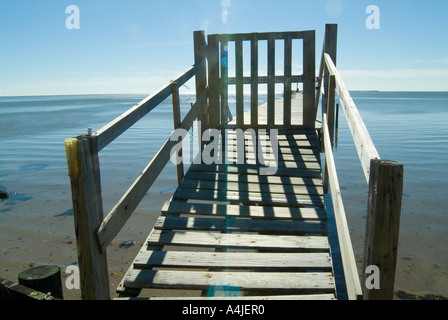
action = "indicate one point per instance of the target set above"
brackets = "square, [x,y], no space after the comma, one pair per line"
[229,231]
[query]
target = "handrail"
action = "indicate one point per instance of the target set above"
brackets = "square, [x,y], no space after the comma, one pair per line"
[385,180]
[353,284]
[364,144]
[116,127]
[118,216]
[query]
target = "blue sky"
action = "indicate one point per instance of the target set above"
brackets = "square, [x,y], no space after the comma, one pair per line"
[137,46]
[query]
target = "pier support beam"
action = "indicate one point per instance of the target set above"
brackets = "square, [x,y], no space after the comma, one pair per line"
[84,171]
[382,226]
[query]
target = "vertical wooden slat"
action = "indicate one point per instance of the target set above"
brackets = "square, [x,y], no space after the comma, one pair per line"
[239,81]
[271,80]
[213,80]
[88,214]
[176,120]
[382,225]
[330,47]
[254,81]
[329,112]
[309,79]
[224,80]
[200,50]
[287,82]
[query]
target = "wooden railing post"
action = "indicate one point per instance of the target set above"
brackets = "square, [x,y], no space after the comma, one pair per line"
[382,226]
[309,79]
[329,112]
[213,80]
[330,47]
[200,53]
[176,119]
[84,172]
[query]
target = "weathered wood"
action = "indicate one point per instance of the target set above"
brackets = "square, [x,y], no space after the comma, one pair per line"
[224,81]
[13,291]
[46,279]
[251,197]
[88,214]
[176,120]
[287,82]
[382,225]
[254,212]
[213,80]
[364,144]
[240,241]
[254,179]
[121,212]
[270,297]
[320,281]
[309,79]
[271,80]
[329,114]
[241,225]
[253,187]
[353,285]
[239,81]
[241,260]
[115,128]
[200,54]
[254,81]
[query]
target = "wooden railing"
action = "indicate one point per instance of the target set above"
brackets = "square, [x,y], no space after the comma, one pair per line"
[385,179]
[219,80]
[93,234]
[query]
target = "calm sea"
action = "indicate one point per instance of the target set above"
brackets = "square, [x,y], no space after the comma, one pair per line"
[36,223]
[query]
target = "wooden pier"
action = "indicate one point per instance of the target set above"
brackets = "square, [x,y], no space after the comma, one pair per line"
[248,219]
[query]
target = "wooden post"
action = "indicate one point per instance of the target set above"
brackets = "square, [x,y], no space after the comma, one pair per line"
[330,122]
[330,47]
[225,111]
[382,226]
[46,279]
[84,171]
[254,81]
[200,53]
[309,79]
[287,82]
[271,81]
[176,119]
[213,80]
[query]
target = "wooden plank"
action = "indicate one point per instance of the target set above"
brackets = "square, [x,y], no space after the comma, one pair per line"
[309,81]
[383,225]
[271,80]
[255,212]
[253,187]
[121,212]
[287,82]
[353,285]
[227,224]
[364,144]
[213,80]
[224,81]
[239,81]
[265,79]
[176,120]
[264,35]
[254,169]
[315,282]
[250,197]
[254,82]
[254,261]
[240,241]
[115,128]
[254,179]
[200,53]
[270,297]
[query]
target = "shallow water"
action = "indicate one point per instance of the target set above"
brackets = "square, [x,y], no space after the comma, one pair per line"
[37,220]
